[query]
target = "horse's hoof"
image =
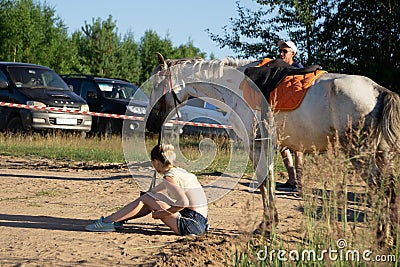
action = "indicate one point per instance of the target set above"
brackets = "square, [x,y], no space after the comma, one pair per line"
[263,233]
[263,230]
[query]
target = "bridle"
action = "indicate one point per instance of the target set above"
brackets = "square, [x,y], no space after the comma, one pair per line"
[163,108]
[168,88]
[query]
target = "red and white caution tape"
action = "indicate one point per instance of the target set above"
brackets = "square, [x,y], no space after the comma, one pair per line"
[73,111]
[108,115]
[201,124]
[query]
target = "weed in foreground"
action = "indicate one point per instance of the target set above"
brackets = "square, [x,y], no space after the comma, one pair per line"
[340,213]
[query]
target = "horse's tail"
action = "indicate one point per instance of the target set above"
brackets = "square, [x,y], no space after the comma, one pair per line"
[390,123]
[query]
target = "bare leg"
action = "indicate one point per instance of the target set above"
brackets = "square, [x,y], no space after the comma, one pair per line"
[143,206]
[143,212]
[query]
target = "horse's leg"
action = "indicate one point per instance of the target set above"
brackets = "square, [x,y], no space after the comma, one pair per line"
[388,222]
[270,213]
[263,165]
[393,223]
[395,214]
[371,159]
[389,144]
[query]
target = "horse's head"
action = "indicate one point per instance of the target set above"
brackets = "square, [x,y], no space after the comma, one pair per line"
[163,98]
[174,80]
[156,117]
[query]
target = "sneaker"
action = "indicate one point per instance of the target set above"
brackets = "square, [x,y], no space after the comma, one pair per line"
[119,225]
[286,187]
[100,226]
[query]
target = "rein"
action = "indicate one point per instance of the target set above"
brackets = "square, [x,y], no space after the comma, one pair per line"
[163,108]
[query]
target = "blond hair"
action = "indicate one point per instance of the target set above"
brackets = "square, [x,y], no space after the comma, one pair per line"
[164,153]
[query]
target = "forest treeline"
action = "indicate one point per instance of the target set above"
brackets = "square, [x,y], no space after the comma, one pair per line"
[346,36]
[32,32]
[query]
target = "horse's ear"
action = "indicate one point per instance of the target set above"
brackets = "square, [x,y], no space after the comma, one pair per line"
[161,61]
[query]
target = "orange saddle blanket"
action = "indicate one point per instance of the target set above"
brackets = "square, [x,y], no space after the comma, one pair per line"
[289,94]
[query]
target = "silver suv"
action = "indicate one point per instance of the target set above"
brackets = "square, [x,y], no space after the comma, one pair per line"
[198,111]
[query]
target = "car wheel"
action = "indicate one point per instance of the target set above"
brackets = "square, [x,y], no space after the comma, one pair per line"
[83,134]
[15,125]
[107,128]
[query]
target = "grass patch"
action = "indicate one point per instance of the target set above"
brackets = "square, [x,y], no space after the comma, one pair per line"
[69,147]
[62,146]
[46,193]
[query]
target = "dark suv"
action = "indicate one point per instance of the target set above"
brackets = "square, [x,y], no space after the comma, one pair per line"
[111,96]
[30,84]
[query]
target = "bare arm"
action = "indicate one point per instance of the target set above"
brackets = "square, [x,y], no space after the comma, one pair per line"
[181,202]
[159,188]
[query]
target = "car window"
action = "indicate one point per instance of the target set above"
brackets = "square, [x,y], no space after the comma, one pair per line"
[3,76]
[86,87]
[122,91]
[210,106]
[138,94]
[106,89]
[197,102]
[76,85]
[31,77]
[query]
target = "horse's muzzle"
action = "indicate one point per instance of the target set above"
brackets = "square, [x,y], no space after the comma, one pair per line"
[155,120]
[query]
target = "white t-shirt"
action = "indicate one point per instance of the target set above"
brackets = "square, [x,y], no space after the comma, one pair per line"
[183,178]
[192,188]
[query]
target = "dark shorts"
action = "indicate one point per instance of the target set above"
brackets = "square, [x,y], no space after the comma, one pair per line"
[191,222]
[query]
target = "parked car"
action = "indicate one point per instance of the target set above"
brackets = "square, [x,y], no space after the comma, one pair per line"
[200,111]
[30,84]
[111,96]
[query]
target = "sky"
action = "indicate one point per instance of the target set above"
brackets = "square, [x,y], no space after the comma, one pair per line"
[180,20]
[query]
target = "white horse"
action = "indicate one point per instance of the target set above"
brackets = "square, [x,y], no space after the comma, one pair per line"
[334,105]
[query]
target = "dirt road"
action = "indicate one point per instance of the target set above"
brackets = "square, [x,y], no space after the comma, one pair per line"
[45,205]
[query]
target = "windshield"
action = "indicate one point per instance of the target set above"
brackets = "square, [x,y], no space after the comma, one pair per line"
[35,77]
[122,91]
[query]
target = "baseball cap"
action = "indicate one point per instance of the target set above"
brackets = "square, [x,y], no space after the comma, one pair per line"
[289,44]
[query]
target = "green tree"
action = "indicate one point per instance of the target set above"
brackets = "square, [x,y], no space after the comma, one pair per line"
[149,44]
[32,33]
[129,64]
[187,50]
[363,38]
[102,51]
[256,33]
[98,46]
[360,37]
[82,65]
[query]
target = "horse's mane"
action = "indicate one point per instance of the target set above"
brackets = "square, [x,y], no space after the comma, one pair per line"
[173,62]
[229,61]
[239,64]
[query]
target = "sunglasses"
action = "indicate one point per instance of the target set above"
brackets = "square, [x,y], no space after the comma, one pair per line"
[284,51]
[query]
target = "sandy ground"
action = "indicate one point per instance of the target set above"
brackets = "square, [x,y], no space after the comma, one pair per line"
[45,205]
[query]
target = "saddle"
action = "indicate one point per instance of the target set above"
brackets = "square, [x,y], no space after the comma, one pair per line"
[288,83]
